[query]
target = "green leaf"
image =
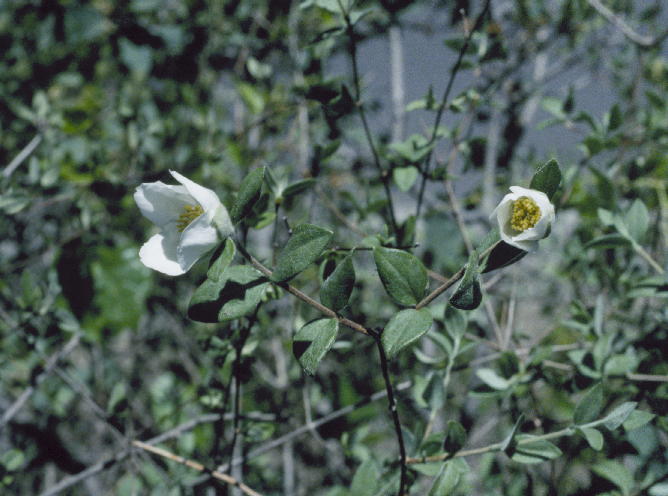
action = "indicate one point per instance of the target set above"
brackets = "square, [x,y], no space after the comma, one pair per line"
[304,247]
[502,255]
[12,460]
[365,480]
[530,452]
[593,436]
[455,321]
[313,341]
[449,477]
[616,473]
[250,190]
[117,399]
[607,241]
[455,437]
[637,419]
[298,187]
[236,293]
[222,260]
[547,178]
[468,294]
[492,379]
[404,177]
[615,118]
[637,220]
[403,275]
[404,328]
[589,407]
[617,417]
[335,291]
[509,443]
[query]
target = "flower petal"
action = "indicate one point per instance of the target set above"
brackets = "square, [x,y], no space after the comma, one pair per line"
[159,253]
[221,219]
[520,191]
[196,240]
[161,203]
[207,198]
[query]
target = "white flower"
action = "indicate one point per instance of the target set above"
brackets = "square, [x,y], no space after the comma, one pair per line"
[524,216]
[191,219]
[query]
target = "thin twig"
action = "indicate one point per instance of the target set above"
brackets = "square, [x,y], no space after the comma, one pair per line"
[384,176]
[48,369]
[23,154]
[392,406]
[275,443]
[227,479]
[397,79]
[647,377]
[305,298]
[627,30]
[444,103]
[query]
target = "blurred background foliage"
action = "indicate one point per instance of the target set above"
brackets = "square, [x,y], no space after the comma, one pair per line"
[97,97]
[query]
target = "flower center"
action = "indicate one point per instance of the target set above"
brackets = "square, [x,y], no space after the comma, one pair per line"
[526,213]
[189,214]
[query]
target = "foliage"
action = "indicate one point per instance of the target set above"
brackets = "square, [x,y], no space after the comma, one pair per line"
[365,331]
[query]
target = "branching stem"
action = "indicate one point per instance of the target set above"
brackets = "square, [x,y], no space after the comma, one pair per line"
[392,406]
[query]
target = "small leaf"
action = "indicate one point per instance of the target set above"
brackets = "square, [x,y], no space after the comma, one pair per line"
[589,407]
[12,460]
[492,379]
[117,400]
[502,255]
[222,260]
[607,241]
[404,328]
[365,480]
[313,341]
[237,292]
[615,120]
[404,177]
[455,321]
[298,187]
[403,275]
[637,220]
[468,294]
[616,473]
[534,452]
[336,289]
[304,247]
[617,417]
[593,436]
[249,193]
[547,178]
[637,419]
[509,443]
[455,437]
[449,477]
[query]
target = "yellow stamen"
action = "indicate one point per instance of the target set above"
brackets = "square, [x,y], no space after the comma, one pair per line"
[526,213]
[189,214]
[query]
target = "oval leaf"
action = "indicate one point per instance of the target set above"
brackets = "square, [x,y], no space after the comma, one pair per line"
[237,292]
[223,258]
[403,275]
[455,437]
[249,193]
[313,341]
[502,255]
[336,289]
[547,178]
[468,295]
[534,452]
[593,436]
[304,246]
[404,328]
[589,407]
